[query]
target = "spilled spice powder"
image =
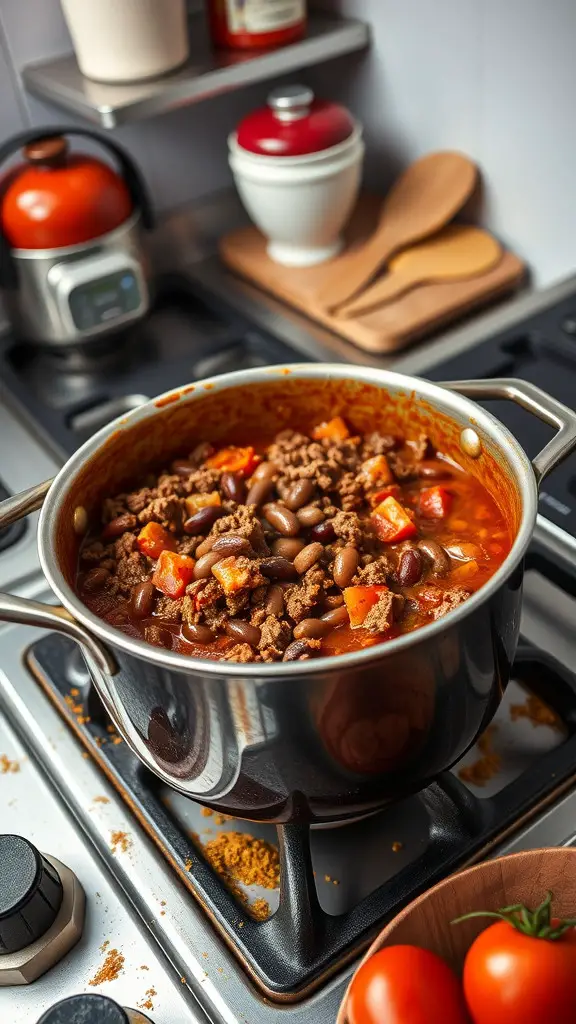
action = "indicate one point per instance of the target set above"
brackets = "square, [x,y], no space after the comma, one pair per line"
[100,800]
[260,909]
[111,968]
[206,812]
[536,711]
[396,847]
[104,945]
[7,766]
[244,858]
[147,1003]
[188,865]
[120,841]
[488,764]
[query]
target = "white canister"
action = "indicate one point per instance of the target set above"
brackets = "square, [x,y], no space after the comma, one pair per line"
[127,40]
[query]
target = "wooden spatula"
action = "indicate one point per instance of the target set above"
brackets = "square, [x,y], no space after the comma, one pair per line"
[457,252]
[425,198]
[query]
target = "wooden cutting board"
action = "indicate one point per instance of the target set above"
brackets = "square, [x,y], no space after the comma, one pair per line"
[392,327]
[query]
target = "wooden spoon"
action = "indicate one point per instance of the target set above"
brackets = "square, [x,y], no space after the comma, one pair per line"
[456,252]
[425,198]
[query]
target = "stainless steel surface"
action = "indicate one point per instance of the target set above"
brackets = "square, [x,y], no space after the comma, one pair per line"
[22,504]
[46,278]
[291,102]
[536,401]
[206,73]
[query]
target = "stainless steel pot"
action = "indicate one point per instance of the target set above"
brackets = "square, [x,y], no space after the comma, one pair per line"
[326,739]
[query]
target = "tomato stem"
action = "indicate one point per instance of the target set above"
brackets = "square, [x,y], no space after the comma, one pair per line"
[535,923]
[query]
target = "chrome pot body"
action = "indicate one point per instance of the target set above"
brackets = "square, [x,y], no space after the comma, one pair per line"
[330,738]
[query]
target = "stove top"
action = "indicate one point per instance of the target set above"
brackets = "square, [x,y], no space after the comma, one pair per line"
[138,849]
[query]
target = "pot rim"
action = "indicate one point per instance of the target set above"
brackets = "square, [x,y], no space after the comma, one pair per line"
[450,402]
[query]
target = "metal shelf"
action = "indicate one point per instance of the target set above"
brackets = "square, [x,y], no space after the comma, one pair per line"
[207,73]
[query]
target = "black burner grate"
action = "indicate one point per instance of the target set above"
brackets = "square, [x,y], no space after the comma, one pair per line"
[301,944]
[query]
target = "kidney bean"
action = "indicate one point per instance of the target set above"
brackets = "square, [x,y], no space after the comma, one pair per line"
[265,471]
[260,489]
[203,567]
[310,516]
[202,520]
[299,494]
[205,546]
[274,601]
[116,527]
[333,600]
[433,470]
[283,487]
[183,467]
[282,519]
[201,452]
[197,634]
[324,532]
[142,602]
[233,487]
[232,544]
[314,629]
[465,551]
[96,579]
[436,555]
[244,632]
[308,557]
[410,567]
[345,566]
[336,616]
[276,568]
[287,547]
[298,650]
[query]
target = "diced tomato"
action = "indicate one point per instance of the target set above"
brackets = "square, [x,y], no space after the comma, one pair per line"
[464,571]
[359,601]
[391,491]
[392,521]
[235,460]
[231,575]
[335,430]
[197,501]
[376,471]
[435,503]
[173,573]
[428,596]
[153,539]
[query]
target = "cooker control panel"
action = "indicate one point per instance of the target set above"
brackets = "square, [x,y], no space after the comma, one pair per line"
[99,292]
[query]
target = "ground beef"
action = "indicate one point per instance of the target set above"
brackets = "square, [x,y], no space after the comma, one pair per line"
[155,635]
[125,545]
[129,572]
[377,444]
[274,639]
[242,653]
[384,613]
[113,507]
[301,598]
[138,500]
[419,447]
[245,523]
[201,598]
[376,573]
[188,545]
[202,481]
[170,609]
[450,600]
[171,485]
[166,511]
[93,554]
[351,492]
[347,526]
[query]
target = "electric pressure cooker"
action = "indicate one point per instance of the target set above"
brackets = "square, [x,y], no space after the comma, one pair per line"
[73,262]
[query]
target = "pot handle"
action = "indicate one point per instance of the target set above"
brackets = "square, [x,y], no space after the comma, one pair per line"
[32,613]
[536,401]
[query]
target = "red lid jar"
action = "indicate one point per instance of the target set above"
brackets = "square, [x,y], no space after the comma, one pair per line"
[56,199]
[294,123]
[256,24]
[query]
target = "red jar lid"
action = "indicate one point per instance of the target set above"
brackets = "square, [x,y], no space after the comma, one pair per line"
[294,124]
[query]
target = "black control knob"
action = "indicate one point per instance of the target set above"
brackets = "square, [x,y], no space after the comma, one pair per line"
[90,1009]
[30,894]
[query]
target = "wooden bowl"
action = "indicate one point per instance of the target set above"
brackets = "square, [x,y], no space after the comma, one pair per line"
[519,878]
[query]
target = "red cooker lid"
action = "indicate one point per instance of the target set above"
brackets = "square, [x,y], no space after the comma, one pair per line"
[294,124]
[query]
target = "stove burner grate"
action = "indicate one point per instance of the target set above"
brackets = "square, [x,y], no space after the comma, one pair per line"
[303,943]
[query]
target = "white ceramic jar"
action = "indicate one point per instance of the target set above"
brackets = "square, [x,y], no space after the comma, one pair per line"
[297,165]
[127,40]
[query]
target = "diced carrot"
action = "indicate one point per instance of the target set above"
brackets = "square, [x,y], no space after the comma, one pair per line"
[435,503]
[427,596]
[391,491]
[153,539]
[392,521]
[234,460]
[376,471]
[335,430]
[197,501]
[464,571]
[173,573]
[231,575]
[359,601]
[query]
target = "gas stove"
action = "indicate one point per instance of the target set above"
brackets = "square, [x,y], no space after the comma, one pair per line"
[188,947]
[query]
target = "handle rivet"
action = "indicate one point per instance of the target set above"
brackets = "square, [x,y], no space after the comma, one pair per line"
[470,443]
[80,520]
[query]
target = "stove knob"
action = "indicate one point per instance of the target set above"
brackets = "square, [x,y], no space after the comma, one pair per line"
[30,894]
[91,1009]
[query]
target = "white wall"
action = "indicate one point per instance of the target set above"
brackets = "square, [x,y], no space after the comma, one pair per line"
[494,78]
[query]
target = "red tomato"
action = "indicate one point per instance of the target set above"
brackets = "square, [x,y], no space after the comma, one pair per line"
[435,503]
[511,978]
[173,573]
[235,460]
[392,521]
[405,985]
[153,539]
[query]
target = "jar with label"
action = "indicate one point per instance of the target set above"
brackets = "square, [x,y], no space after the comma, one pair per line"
[253,24]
